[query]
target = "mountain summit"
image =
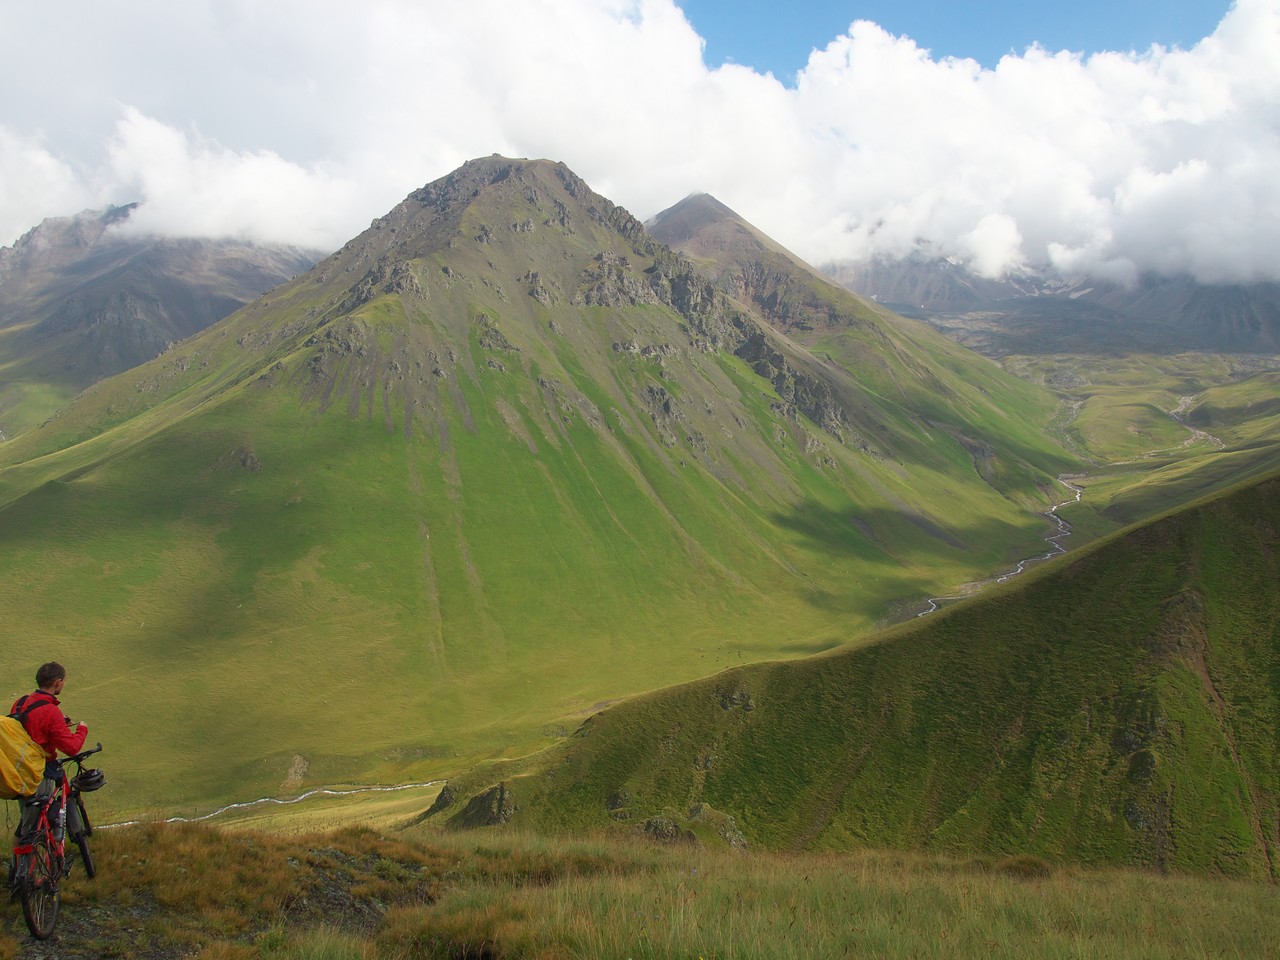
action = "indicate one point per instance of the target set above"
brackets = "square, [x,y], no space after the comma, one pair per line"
[755,268]
[510,456]
[690,221]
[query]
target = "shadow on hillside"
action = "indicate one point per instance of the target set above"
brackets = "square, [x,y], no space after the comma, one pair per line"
[890,553]
[770,651]
[880,535]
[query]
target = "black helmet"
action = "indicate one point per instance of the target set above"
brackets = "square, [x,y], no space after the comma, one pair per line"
[86,781]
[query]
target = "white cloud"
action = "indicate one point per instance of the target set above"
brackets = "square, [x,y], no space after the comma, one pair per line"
[193,187]
[35,184]
[1117,163]
[302,121]
[994,246]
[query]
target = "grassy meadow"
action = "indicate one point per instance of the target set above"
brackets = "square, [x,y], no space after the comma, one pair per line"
[1159,432]
[360,894]
[398,609]
[1116,706]
[26,403]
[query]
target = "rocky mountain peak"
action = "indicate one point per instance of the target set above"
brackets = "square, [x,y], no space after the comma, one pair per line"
[688,218]
[753,268]
[57,241]
[531,222]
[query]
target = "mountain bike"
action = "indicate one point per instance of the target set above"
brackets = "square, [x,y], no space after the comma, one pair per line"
[39,866]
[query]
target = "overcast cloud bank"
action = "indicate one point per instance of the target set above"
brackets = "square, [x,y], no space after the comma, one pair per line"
[300,122]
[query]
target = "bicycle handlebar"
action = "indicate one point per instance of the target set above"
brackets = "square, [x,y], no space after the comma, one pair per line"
[80,757]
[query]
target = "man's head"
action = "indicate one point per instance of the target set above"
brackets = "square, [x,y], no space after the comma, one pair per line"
[51,677]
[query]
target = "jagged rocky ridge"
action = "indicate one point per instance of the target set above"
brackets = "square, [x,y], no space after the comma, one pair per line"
[653,274]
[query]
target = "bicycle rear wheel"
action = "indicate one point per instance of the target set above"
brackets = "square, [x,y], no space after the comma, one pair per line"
[40,896]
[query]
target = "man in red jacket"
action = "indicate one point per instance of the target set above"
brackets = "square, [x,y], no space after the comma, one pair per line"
[41,715]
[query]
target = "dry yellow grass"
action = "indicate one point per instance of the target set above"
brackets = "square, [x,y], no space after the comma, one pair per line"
[363,895]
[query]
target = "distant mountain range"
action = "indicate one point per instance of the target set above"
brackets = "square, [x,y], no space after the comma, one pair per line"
[1037,314]
[80,300]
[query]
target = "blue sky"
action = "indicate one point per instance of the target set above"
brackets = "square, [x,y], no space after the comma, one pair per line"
[777,37]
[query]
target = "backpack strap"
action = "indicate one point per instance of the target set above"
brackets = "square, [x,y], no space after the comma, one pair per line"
[26,705]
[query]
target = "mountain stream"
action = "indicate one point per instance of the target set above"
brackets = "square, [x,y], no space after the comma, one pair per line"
[265,801]
[1054,540]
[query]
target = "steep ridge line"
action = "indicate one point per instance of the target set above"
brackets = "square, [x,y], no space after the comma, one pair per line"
[1218,708]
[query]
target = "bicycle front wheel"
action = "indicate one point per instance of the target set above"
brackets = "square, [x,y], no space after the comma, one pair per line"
[40,889]
[90,871]
[81,833]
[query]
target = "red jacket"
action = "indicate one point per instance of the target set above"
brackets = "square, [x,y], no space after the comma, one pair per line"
[49,727]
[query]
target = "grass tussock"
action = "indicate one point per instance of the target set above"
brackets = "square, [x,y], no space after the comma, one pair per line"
[165,891]
[759,906]
[174,889]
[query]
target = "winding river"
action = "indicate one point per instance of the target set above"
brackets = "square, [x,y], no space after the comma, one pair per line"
[1054,541]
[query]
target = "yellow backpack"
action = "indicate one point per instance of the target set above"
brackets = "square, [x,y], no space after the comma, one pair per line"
[21,759]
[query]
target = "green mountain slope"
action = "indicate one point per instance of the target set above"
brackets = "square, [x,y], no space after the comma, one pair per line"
[1120,706]
[1162,431]
[500,459]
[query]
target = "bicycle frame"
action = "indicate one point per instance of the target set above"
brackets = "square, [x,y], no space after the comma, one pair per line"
[57,839]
